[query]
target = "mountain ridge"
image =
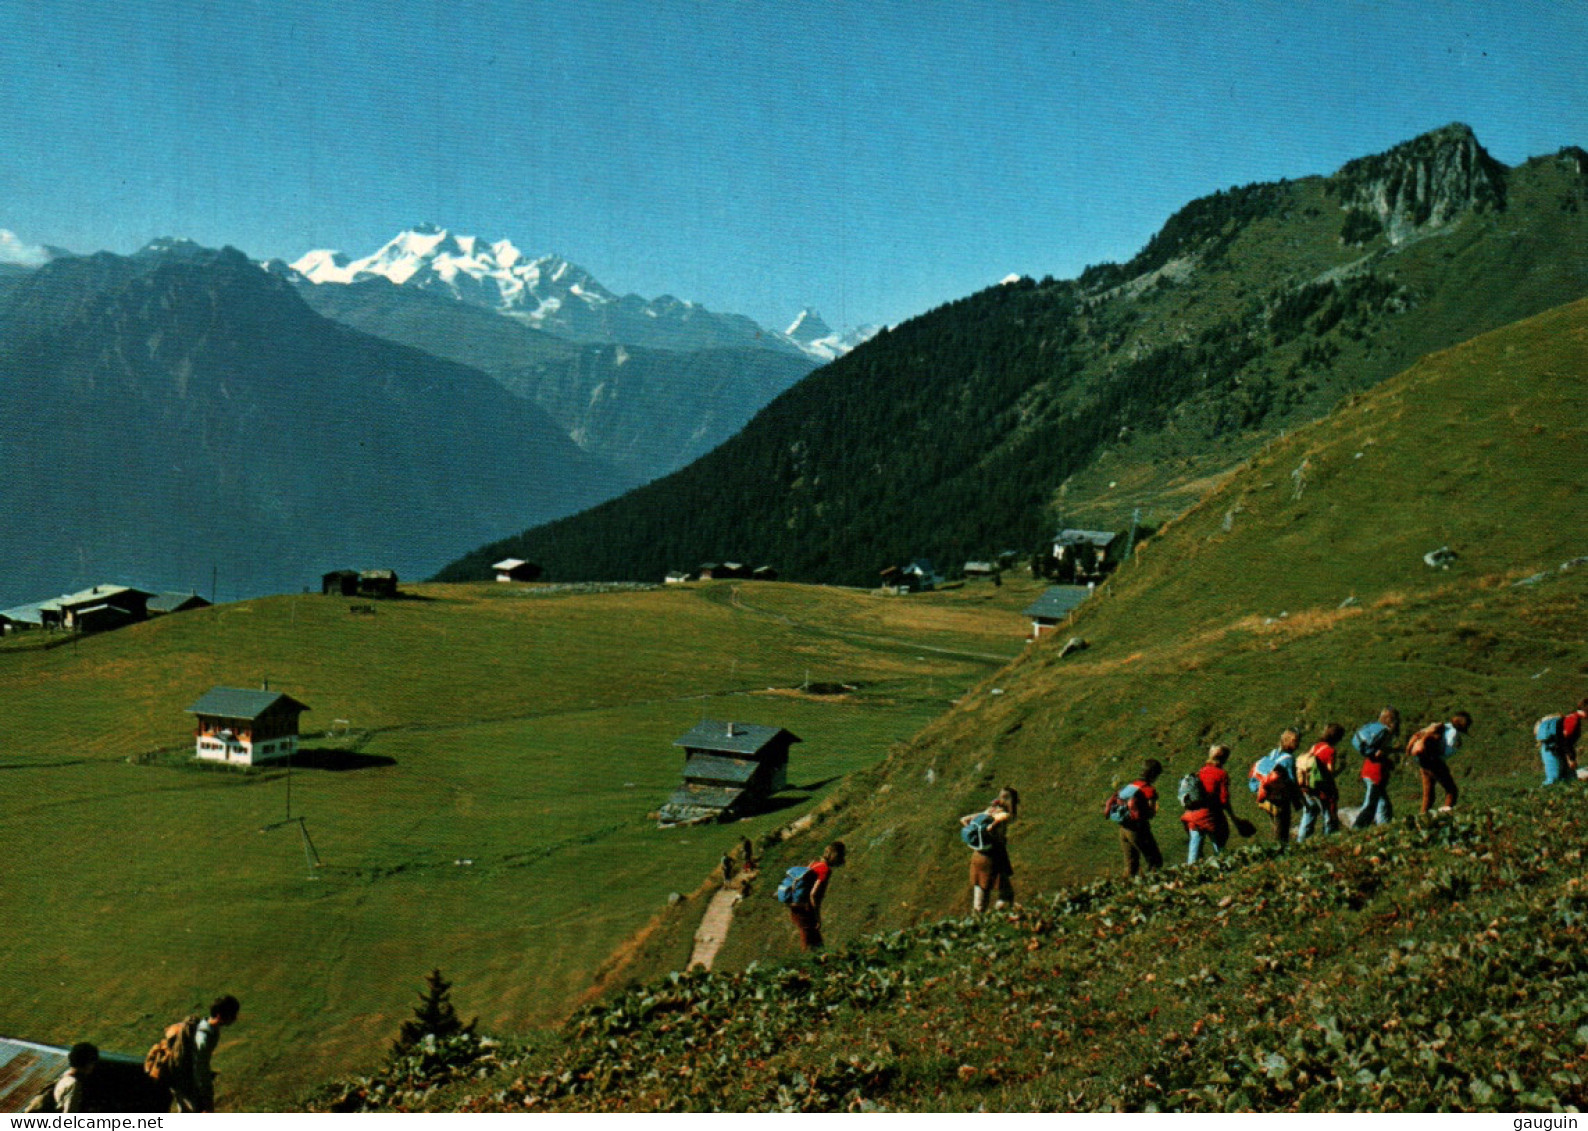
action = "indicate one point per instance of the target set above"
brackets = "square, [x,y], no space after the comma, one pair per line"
[177,411]
[990,421]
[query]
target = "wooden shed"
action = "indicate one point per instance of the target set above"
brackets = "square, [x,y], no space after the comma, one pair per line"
[730,769]
[1057,602]
[516,569]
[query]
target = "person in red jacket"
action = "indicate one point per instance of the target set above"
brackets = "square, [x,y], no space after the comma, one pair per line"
[807,916]
[1216,786]
[1135,831]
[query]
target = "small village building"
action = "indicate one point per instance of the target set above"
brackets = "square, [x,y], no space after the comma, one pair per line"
[980,569]
[730,770]
[676,577]
[1084,555]
[22,618]
[516,569]
[1051,609]
[163,603]
[710,570]
[763,573]
[96,610]
[377,583]
[339,583]
[921,575]
[245,728]
[733,569]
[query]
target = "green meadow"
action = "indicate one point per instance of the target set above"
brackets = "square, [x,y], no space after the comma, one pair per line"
[480,765]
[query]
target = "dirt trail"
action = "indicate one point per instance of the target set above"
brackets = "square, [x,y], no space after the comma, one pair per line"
[714,924]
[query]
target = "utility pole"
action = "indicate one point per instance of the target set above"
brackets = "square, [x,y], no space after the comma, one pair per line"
[1130,543]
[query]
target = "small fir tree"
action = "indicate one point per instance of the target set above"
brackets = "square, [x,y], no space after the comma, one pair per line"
[433,1015]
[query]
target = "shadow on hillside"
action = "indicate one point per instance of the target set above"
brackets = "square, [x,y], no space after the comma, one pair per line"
[782,801]
[812,787]
[338,761]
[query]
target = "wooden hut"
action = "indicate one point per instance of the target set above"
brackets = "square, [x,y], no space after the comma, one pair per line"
[730,769]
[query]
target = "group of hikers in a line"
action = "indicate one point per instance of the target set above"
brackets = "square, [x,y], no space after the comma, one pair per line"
[176,1069]
[1284,783]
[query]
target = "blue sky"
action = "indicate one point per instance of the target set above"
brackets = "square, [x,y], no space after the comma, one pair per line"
[871,159]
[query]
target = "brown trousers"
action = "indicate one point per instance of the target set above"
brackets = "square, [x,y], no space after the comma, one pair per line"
[1138,845]
[1437,774]
[808,921]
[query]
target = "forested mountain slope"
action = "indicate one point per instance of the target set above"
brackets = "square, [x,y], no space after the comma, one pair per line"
[981,425]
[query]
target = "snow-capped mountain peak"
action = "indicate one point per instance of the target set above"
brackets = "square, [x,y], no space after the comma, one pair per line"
[819,340]
[808,327]
[555,295]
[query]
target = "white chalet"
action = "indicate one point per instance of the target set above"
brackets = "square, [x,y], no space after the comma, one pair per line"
[246,728]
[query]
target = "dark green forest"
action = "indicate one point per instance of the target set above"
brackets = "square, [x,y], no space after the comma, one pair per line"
[960,433]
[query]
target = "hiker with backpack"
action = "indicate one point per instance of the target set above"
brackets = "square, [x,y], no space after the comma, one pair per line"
[803,889]
[181,1058]
[1132,807]
[1557,737]
[1320,791]
[1273,780]
[985,833]
[1430,747]
[1375,742]
[71,1093]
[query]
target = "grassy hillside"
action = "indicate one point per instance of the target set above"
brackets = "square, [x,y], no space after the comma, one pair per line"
[481,805]
[1436,964]
[1264,607]
[1433,963]
[984,424]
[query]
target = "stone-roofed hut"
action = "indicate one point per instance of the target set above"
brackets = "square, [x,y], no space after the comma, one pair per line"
[245,728]
[1057,602]
[730,769]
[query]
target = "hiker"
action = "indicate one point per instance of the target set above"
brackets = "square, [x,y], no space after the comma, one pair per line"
[1557,737]
[1273,780]
[726,864]
[1431,747]
[806,910]
[747,850]
[1197,817]
[1132,808]
[1216,785]
[70,1094]
[1373,741]
[1320,791]
[191,1079]
[986,832]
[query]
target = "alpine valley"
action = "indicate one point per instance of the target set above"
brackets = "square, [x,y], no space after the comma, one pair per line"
[180,418]
[985,424]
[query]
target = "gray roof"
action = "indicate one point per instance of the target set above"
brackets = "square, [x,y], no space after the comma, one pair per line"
[1058,601]
[235,703]
[747,738]
[24,614]
[93,596]
[27,1068]
[509,563]
[714,768]
[166,602]
[1099,538]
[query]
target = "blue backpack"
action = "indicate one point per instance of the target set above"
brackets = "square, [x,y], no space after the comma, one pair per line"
[1122,805]
[1547,732]
[797,884]
[979,833]
[1370,739]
